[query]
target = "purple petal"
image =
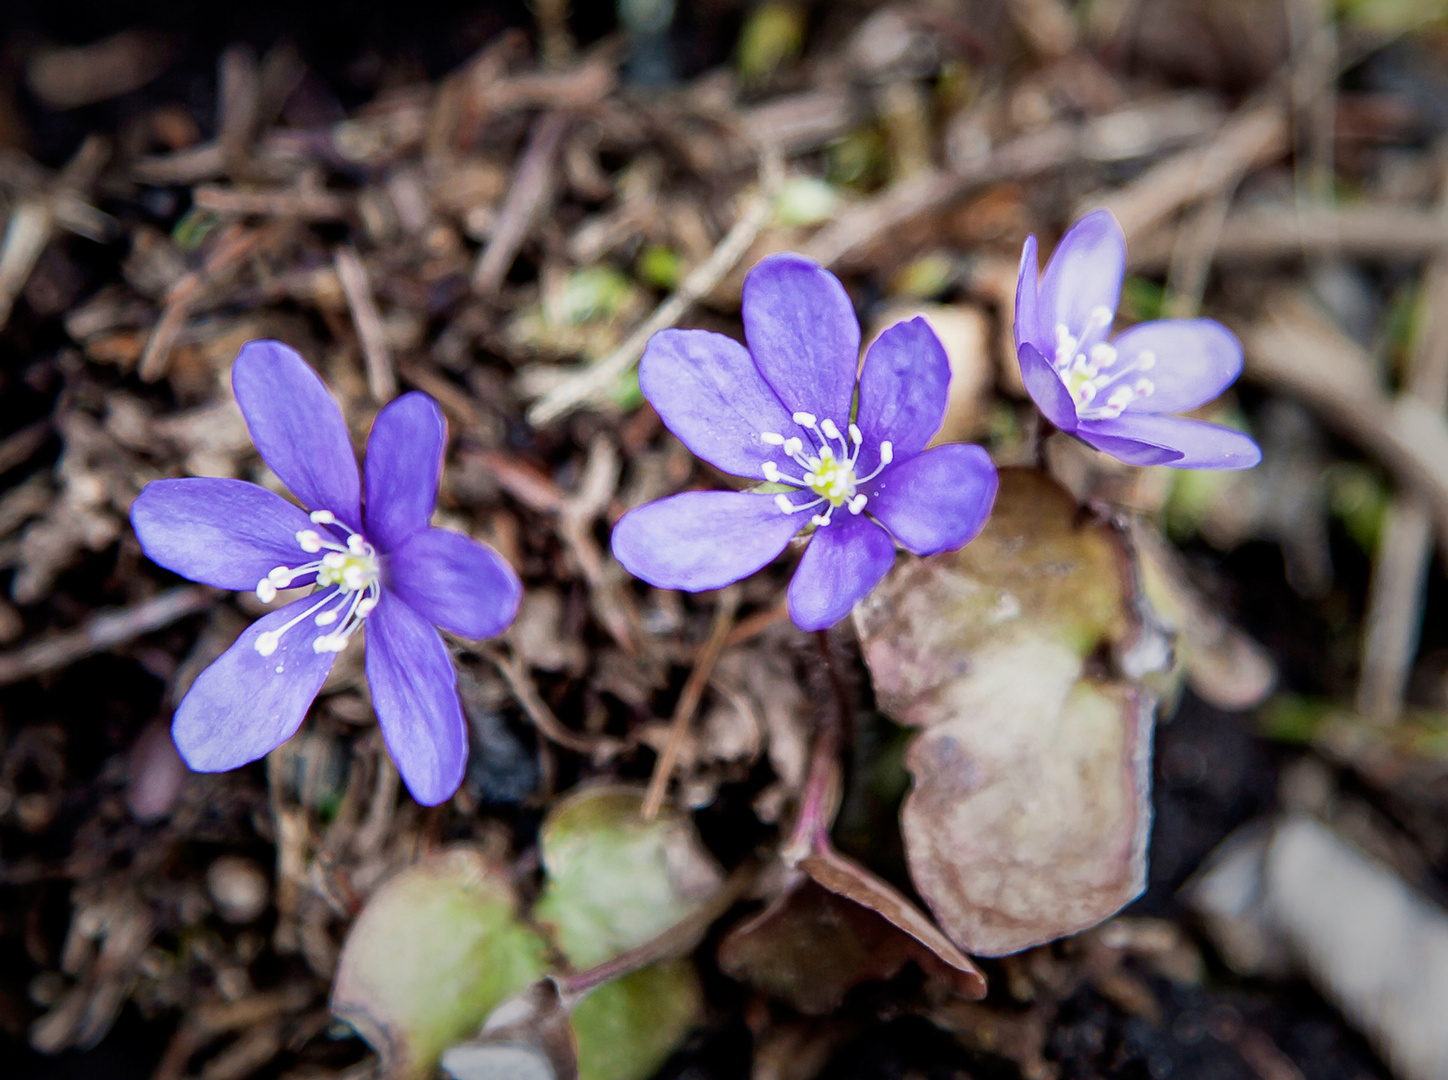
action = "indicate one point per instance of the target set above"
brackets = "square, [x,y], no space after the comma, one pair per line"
[298,428]
[225,533]
[1046,388]
[903,391]
[245,705]
[702,539]
[937,501]
[803,335]
[1027,326]
[708,392]
[1085,273]
[1195,360]
[1192,444]
[456,583]
[404,460]
[415,694]
[845,560]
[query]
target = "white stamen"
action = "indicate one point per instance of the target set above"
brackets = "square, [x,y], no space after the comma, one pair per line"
[804,419]
[1103,355]
[855,436]
[1145,387]
[821,519]
[793,446]
[828,427]
[857,503]
[887,452]
[348,579]
[771,472]
[771,438]
[1145,360]
[785,506]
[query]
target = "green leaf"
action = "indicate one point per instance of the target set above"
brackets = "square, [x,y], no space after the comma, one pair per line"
[627,1028]
[615,880]
[433,952]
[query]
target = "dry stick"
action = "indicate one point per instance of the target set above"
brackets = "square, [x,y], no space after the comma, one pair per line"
[594,383]
[103,631]
[596,747]
[307,205]
[811,833]
[1395,593]
[381,378]
[1113,137]
[1253,137]
[689,699]
[1294,349]
[1365,230]
[532,189]
[234,245]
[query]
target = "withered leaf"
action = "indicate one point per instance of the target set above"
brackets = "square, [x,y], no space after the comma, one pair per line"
[1030,810]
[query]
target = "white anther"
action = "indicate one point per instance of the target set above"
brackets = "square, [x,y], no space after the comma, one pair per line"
[334,560]
[323,517]
[771,438]
[857,504]
[354,578]
[329,643]
[1100,316]
[827,454]
[356,545]
[1120,397]
[809,479]
[266,592]
[771,472]
[1145,387]
[804,419]
[855,436]
[365,607]
[281,576]
[887,452]
[784,504]
[1103,355]
[821,519]
[793,447]
[1145,360]
[1086,393]
[326,618]
[828,427]
[310,541]
[266,643]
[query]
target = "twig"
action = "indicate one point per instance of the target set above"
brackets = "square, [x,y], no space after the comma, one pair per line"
[26,235]
[381,378]
[596,747]
[307,205]
[689,699]
[1255,136]
[1365,230]
[1395,593]
[234,245]
[756,624]
[1292,348]
[103,631]
[594,382]
[532,189]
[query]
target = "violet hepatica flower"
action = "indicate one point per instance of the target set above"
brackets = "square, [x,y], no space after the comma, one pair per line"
[1118,393]
[786,411]
[382,566]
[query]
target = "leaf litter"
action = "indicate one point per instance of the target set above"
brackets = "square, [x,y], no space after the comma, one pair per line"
[504,232]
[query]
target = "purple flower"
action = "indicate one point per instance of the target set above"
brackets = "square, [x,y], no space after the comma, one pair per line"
[1118,393]
[781,412]
[383,566]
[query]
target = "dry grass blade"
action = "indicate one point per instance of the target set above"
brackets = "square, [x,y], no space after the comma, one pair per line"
[381,378]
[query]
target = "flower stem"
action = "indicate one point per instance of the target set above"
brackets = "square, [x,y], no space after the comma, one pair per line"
[821,795]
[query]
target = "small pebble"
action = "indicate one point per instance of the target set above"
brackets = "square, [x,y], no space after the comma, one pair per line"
[155,774]
[239,888]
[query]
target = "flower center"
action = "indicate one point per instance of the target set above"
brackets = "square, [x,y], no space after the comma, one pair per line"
[350,579]
[1100,388]
[827,473]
